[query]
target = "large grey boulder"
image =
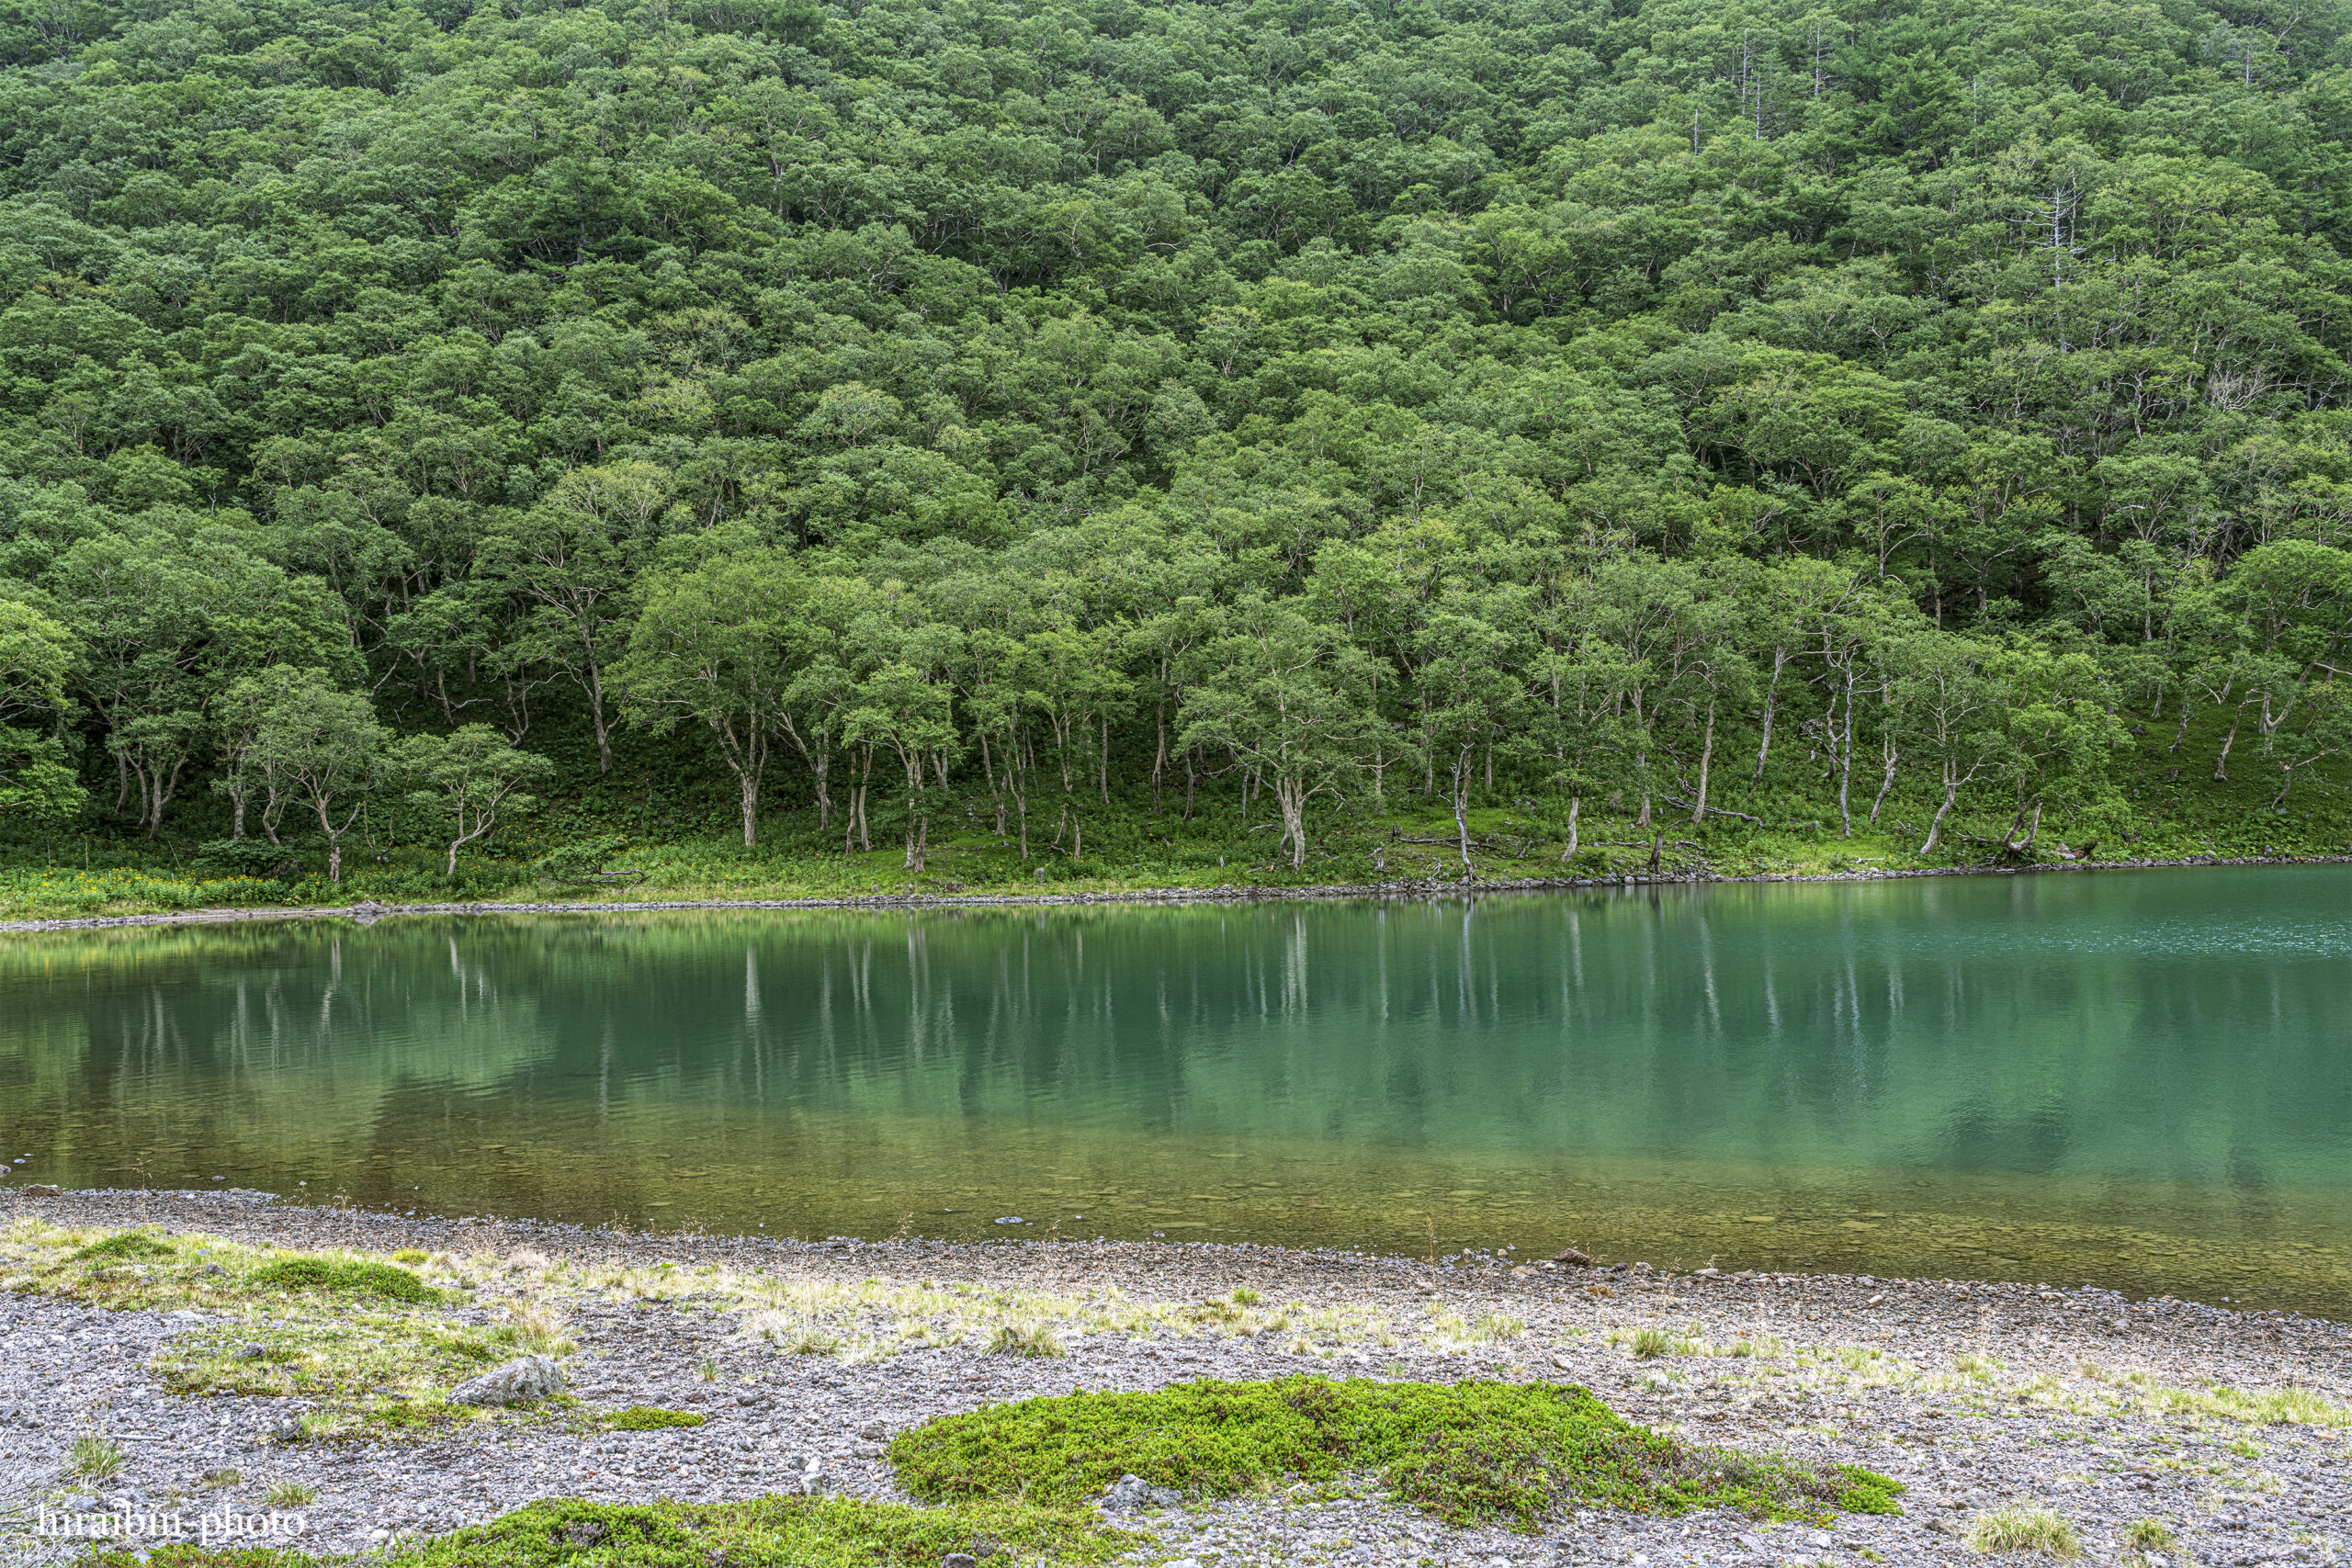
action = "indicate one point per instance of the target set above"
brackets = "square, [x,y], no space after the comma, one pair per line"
[524,1382]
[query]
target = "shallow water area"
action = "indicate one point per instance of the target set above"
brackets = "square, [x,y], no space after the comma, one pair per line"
[2135,1079]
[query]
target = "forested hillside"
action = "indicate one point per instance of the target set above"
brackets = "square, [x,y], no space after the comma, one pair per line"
[985,440]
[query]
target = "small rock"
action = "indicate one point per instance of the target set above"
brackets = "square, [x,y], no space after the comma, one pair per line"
[874,1431]
[1581,1260]
[43,1190]
[213,1268]
[287,1431]
[1012,1220]
[523,1381]
[1752,1542]
[251,1352]
[587,1533]
[959,1560]
[1132,1492]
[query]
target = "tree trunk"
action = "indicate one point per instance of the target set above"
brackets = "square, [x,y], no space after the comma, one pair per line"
[2222,763]
[1462,805]
[1845,765]
[1771,705]
[1160,751]
[1935,828]
[1706,760]
[1569,854]
[596,717]
[751,785]
[1291,796]
[1887,783]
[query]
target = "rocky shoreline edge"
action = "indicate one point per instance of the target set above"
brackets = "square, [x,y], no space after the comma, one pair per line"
[2156,1432]
[369,912]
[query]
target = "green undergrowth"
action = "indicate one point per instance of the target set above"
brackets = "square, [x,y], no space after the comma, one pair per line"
[1468,1452]
[766,1533]
[2165,805]
[143,1269]
[375,1346]
[649,1419]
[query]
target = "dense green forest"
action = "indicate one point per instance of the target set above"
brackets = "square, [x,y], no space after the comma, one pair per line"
[817,446]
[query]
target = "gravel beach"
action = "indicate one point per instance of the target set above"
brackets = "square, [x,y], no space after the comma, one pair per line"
[2225,1436]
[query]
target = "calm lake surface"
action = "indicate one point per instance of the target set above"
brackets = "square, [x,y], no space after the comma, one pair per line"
[2139,1079]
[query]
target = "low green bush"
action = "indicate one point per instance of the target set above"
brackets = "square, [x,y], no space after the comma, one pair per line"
[342,1276]
[1466,1453]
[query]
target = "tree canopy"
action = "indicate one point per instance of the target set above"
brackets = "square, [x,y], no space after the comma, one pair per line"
[1599,403]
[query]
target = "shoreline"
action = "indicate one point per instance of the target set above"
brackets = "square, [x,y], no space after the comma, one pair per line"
[368,912]
[2228,1427]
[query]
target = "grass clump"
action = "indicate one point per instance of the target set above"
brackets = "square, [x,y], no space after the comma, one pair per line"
[1031,1339]
[2148,1535]
[369,1369]
[127,1246]
[1468,1452]
[649,1419]
[342,1276]
[94,1458]
[2024,1527]
[292,1494]
[140,1270]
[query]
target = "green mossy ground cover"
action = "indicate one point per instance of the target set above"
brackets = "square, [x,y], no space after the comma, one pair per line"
[374,1347]
[1468,1452]
[649,1419]
[766,1532]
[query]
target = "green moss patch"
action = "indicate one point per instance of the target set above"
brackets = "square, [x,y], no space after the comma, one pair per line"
[342,1276]
[138,1269]
[126,1246]
[1466,1453]
[649,1417]
[767,1532]
[371,1372]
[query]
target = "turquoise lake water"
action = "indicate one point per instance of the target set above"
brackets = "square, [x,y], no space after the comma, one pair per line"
[2140,1079]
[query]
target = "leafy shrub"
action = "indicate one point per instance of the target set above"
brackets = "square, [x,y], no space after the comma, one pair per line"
[256,858]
